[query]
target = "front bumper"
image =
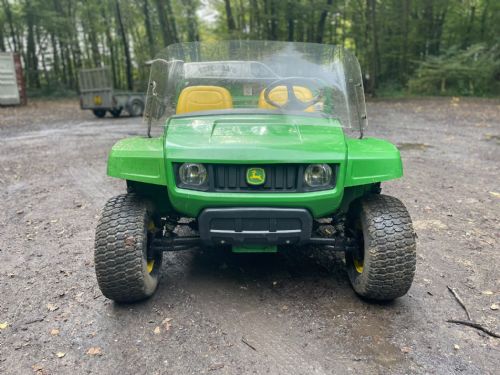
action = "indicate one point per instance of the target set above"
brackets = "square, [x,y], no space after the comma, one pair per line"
[255,226]
[252,229]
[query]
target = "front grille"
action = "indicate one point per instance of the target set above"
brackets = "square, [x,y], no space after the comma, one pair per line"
[280,178]
[232,177]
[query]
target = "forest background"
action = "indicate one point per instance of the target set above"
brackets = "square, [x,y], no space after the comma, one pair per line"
[405,47]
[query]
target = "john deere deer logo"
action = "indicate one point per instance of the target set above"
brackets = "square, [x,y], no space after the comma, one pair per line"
[256,176]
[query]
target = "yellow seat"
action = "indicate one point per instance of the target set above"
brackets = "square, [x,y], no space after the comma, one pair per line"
[280,95]
[204,98]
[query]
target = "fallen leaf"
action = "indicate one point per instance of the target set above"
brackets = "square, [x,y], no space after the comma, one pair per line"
[495,194]
[456,347]
[54,332]
[487,292]
[94,351]
[4,325]
[157,331]
[405,349]
[494,306]
[60,354]
[52,307]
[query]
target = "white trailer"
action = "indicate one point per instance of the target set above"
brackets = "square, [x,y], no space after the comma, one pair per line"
[98,95]
[11,80]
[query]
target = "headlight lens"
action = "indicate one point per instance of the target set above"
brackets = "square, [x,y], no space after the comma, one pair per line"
[193,174]
[318,175]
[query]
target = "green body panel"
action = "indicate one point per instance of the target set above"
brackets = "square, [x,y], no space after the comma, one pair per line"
[371,160]
[138,159]
[255,249]
[256,139]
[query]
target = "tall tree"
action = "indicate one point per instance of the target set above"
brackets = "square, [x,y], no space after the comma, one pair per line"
[149,28]
[322,20]
[231,25]
[128,60]
[31,53]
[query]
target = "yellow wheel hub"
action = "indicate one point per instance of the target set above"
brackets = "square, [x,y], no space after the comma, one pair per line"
[151,229]
[151,264]
[358,264]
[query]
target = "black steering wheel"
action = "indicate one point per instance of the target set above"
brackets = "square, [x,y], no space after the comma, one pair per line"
[293,103]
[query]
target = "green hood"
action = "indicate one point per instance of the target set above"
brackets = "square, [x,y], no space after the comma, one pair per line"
[255,138]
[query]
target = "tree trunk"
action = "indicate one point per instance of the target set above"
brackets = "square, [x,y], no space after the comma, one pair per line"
[128,62]
[403,70]
[42,47]
[322,21]
[374,52]
[192,23]
[171,21]
[110,43]
[231,25]
[254,19]
[32,58]
[149,29]
[2,44]
[484,17]
[10,21]
[274,20]
[96,56]
[166,29]
[55,56]
[290,11]
[74,43]
[470,26]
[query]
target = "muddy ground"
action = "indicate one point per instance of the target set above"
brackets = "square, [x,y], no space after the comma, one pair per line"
[291,313]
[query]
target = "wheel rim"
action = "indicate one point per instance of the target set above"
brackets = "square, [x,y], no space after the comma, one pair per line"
[358,265]
[150,262]
[358,255]
[150,265]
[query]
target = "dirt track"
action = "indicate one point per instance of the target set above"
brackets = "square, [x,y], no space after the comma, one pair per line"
[295,311]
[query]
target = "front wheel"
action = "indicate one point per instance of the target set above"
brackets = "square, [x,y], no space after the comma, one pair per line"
[382,266]
[126,267]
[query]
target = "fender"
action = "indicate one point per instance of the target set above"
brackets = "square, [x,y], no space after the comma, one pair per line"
[371,160]
[138,159]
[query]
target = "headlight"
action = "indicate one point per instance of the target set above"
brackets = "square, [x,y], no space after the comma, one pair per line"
[193,174]
[318,175]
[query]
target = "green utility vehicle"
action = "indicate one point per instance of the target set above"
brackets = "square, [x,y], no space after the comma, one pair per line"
[261,145]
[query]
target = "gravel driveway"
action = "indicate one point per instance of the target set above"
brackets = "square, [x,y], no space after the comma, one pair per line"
[218,313]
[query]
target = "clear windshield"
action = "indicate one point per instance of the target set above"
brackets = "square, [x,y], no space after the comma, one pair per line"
[231,77]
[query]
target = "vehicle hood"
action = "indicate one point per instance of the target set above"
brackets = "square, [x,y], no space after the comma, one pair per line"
[256,138]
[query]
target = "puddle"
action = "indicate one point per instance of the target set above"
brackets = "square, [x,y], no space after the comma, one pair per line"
[414,146]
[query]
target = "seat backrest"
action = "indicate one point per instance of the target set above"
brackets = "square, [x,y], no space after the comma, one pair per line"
[203,98]
[280,95]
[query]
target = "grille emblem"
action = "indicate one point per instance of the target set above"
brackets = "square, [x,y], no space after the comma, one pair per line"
[256,176]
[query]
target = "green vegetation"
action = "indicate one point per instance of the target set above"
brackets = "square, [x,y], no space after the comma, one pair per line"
[418,47]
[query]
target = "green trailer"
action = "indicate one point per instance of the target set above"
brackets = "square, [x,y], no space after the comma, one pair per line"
[261,145]
[98,95]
